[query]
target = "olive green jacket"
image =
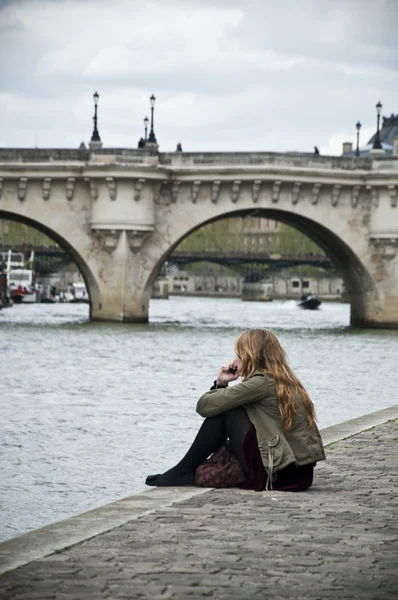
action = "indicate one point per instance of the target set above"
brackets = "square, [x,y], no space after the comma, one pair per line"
[278,448]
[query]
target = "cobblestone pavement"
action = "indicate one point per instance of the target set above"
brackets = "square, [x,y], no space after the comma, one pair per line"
[338,540]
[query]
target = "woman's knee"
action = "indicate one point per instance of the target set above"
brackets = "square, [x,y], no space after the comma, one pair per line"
[237,415]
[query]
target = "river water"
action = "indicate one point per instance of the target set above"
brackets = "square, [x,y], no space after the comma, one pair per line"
[87,410]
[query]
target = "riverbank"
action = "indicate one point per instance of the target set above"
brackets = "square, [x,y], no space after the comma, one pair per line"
[278,297]
[336,541]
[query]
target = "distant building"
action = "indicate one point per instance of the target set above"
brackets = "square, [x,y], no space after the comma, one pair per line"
[388,138]
[284,285]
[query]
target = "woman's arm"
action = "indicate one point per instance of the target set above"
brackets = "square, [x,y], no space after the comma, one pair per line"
[220,400]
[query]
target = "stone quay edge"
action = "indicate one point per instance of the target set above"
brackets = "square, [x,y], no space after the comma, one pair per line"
[50,539]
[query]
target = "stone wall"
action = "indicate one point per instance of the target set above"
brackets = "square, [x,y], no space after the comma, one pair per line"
[291,286]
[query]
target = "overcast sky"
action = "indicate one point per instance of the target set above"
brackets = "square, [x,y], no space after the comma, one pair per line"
[230,75]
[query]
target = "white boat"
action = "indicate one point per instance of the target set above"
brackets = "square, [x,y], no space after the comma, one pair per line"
[21,278]
[79,292]
[47,294]
[65,296]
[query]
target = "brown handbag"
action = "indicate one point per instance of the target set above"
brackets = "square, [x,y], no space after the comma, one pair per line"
[221,470]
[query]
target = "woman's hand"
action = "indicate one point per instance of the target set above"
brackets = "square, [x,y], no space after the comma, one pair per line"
[227,373]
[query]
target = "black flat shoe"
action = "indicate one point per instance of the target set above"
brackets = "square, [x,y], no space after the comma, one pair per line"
[164,480]
[150,480]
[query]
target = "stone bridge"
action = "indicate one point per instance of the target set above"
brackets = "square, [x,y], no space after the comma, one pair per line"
[120,213]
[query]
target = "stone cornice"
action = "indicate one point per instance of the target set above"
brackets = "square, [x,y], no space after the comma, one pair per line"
[246,174]
[266,175]
[287,169]
[292,182]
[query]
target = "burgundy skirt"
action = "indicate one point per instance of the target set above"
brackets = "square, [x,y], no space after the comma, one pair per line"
[289,479]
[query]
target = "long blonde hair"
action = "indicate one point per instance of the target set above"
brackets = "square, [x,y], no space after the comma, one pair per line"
[260,350]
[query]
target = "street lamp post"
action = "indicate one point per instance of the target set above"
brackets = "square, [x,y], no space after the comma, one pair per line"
[358,126]
[377,143]
[146,121]
[95,141]
[152,138]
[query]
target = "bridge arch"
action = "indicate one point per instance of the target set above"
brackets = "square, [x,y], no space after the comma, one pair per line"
[359,285]
[85,270]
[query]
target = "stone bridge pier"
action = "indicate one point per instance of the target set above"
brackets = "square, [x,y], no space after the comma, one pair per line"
[120,213]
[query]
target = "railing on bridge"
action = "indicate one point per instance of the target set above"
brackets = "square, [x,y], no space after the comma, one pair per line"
[240,257]
[180,257]
[49,258]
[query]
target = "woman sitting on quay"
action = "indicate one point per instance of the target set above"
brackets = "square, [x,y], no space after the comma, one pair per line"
[268,418]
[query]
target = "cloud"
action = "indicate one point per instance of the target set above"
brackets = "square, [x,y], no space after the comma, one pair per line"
[257,75]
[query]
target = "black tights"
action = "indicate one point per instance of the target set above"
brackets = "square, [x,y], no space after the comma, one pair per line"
[233,424]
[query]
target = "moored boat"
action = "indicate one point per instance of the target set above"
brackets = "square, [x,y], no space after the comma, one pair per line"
[79,292]
[21,278]
[48,294]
